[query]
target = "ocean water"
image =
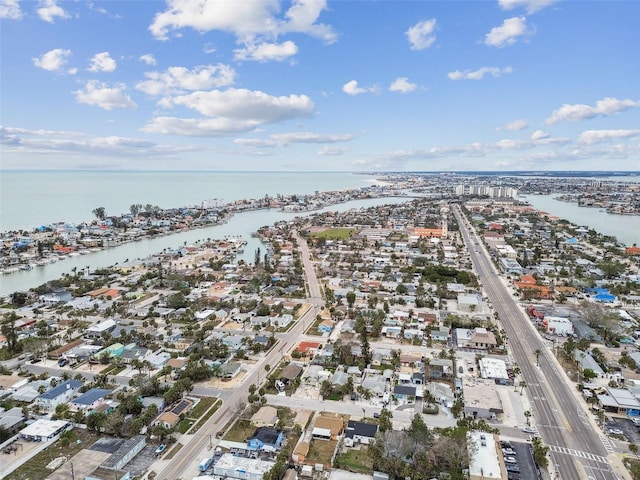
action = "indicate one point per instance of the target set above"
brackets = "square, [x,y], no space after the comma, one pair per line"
[625,228]
[32,198]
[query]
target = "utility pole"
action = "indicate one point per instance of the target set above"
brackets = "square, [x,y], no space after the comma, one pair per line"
[73,475]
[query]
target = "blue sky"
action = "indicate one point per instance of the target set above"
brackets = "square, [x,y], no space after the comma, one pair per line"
[320,85]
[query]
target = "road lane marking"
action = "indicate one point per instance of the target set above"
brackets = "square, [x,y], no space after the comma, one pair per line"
[578,453]
[608,444]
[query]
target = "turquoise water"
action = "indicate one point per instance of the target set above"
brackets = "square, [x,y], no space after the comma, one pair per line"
[626,228]
[32,198]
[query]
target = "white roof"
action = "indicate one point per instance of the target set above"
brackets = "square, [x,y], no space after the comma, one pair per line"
[102,326]
[250,465]
[485,462]
[43,428]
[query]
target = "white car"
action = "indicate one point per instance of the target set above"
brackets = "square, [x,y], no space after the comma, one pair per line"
[616,431]
[529,430]
[510,459]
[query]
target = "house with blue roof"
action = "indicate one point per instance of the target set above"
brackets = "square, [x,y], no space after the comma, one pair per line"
[266,438]
[90,400]
[58,395]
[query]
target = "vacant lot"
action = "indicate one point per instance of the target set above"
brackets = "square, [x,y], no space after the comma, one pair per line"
[68,445]
[357,461]
[240,431]
[334,233]
[321,451]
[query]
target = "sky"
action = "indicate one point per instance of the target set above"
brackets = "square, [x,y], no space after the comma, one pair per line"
[320,85]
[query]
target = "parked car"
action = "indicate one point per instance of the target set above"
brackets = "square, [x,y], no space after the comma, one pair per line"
[513,468]
[508,451]
[616,431]
[510,459]
[160,449]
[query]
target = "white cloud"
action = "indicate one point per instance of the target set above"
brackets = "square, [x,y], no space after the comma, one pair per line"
[589,137]
[507,33]
[515,126]
[234,111]
[53,60]
[257,142]
[246,20]
[103,96]
[309,137]
[352,88]
[176,80]
[284,139]
[148,58]
[242,104]
[332,151]
[102,62]
[603,108]
[301,17]
[62,142]
[531,6]
[402,85]
[199,127]
[10,9]
[265,52]
[479,74]
[421,35]
[539,135]
[49,10]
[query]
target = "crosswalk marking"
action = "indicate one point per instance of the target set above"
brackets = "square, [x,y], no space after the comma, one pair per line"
[608,444]
[578,453]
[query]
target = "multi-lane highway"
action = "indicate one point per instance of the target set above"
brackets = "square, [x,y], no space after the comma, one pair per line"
[578,448]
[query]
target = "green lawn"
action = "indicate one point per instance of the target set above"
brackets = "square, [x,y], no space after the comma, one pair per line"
[335,233]
[206,416]
[240,431]
[357,461]
[203,405]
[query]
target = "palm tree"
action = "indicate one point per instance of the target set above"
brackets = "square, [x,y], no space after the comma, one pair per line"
[523,385]
[538,352]
[527,414]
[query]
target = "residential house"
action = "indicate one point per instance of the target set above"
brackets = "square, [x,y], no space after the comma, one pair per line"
[12,420]
[440,334]
[61,393]
[266,438]
[404,392]
[267,416]
[359,432]
[290,373]
[327,426]
[89,400]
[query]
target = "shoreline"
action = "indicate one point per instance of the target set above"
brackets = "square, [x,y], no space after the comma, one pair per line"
[63,240]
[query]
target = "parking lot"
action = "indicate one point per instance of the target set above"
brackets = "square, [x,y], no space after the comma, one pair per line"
[526,468]
[630,432]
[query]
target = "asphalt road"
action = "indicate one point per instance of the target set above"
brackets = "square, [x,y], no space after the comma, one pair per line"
[576,445]
[184,465]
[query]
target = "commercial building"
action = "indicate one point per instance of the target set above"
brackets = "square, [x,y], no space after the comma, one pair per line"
[240,467]
[43,430]
[486,463]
